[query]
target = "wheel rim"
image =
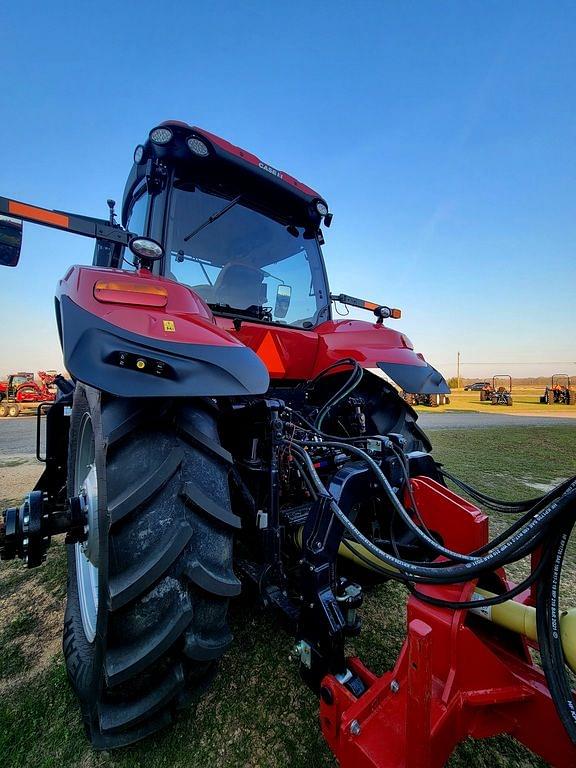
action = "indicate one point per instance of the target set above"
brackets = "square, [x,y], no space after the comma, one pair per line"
[87,553]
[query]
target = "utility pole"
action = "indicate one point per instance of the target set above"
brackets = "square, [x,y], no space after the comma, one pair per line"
[458,370]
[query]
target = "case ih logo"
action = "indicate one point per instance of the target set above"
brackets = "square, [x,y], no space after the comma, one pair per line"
[273,171]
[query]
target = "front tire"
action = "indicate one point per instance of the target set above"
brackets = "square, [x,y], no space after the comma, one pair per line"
[144,631]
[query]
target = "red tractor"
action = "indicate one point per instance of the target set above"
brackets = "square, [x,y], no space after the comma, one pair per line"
[21,389]
[224,431]
[13,381]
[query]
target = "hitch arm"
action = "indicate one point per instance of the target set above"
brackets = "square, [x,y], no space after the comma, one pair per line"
[68,222]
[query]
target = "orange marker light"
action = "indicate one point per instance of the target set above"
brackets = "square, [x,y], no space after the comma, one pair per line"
[396,313]
[121,292]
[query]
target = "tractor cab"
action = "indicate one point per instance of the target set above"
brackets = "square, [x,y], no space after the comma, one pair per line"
[244,236]
[16,381]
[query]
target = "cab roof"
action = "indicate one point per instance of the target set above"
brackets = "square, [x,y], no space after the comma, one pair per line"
[227,166]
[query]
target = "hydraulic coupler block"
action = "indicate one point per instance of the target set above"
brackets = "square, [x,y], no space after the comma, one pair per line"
[23,531]
[26,531]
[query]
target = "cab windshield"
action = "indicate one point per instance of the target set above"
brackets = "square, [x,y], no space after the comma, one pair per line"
[243,263]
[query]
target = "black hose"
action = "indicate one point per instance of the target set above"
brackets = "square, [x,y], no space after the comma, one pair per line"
[461,572]
[396,503]
[354,379]
[501,505]
[458,605]
[548,624]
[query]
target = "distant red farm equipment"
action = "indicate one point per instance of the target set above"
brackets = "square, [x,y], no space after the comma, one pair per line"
[22,389]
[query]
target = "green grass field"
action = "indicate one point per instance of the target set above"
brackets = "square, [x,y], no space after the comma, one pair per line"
[525,400]
[257,713]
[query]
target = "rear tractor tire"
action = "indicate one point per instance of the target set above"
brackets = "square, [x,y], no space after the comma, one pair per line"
[148,590]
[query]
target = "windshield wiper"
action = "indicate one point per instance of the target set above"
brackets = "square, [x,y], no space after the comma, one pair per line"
[212,218]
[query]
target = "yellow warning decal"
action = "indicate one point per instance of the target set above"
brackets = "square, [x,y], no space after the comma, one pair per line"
[169,326]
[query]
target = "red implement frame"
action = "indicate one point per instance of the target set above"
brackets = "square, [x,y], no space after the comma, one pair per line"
[457,675]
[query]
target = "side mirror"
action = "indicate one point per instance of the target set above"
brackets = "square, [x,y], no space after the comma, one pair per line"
[10,241]
[283,296]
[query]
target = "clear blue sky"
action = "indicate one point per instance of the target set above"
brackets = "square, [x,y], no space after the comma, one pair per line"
[442,133]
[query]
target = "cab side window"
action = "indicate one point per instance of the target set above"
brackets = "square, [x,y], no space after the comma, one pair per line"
[138,211]
[136,221]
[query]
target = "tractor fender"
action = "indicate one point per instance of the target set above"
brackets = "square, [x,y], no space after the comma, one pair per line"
[376,346]
[132,350]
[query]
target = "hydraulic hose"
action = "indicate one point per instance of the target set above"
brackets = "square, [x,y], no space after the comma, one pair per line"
[549,633]
[350,385]
[460,572]
[501,505]
[396,503]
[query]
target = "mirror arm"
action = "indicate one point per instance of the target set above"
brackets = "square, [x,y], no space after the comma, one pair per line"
[381,311]
[67,222]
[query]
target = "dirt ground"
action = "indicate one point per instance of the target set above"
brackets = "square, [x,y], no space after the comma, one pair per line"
[19,469]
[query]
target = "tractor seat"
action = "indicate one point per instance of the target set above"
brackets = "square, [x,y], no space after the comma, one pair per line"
[240,286]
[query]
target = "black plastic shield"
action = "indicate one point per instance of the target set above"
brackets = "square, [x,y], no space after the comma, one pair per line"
[417,379]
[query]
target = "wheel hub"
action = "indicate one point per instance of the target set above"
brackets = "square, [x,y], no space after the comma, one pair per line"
[89,500]
[87,553]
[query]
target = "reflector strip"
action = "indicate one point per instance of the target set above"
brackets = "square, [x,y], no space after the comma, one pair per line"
[268,353]
[38,214]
